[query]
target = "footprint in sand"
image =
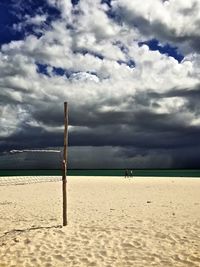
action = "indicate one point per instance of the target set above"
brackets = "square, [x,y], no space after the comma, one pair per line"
[59,257]
[27,241]
[128,245]
[103,253]
[85,260]
[43,253]
[34,260]
[6,203]
[195,259]
[92,264]
[161,235]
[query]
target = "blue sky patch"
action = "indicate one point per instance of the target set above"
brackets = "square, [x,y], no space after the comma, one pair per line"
[59,71]
[11,13]
[166,49]
[7,19]
[42,69]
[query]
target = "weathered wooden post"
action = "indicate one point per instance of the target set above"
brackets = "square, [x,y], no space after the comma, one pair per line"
[64,178]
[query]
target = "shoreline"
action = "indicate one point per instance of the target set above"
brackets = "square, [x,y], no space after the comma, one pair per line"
[23,180]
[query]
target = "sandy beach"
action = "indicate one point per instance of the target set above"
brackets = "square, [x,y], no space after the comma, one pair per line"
[112,222]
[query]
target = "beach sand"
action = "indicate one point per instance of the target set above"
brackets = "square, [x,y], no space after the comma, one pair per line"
[112,221]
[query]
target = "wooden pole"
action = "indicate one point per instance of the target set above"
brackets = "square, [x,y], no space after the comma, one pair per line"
[64,178]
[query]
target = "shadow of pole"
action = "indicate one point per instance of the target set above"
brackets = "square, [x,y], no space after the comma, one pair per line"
[29,229]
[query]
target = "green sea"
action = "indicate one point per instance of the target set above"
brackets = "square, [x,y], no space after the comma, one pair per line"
[105,172]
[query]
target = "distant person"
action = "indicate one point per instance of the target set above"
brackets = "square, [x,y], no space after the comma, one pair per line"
[131,173]
[126,173]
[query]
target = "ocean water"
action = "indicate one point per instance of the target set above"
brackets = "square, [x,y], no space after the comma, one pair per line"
[49,163]
[107,172]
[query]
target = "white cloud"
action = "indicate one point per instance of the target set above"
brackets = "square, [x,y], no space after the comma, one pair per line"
[174,21]
[83,77]
[10,119]
[36,20]
[170,105]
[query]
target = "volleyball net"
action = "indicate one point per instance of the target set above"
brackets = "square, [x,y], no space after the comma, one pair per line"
[34,160]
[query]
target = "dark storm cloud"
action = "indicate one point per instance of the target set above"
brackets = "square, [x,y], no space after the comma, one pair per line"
[80,114]
[139,127]
[151,134]
[48,115]
[28,137]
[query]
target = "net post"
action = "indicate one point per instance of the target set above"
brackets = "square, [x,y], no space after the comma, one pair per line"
[64,177]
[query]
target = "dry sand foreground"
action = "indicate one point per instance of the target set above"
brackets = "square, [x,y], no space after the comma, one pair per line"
[112,222]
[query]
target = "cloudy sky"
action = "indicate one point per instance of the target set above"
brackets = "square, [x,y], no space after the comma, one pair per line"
[128,69]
